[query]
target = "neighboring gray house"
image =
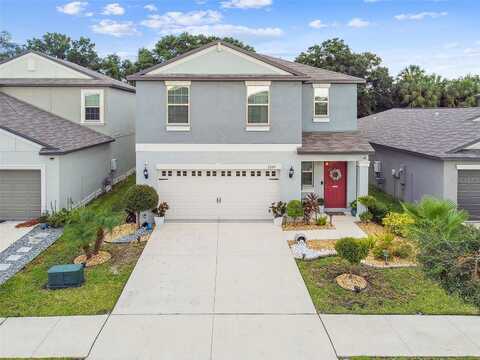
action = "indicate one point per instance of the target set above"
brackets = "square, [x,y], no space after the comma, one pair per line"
[63,130]
[427,152]
[223,132]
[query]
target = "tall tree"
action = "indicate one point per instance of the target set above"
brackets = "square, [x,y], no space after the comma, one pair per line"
[415,88]
[54,44]
[336,55]
[461,92]
[145,59]
[171,46]
[82,52]
[7,47]
[112,66]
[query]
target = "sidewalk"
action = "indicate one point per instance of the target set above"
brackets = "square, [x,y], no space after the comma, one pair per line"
[403,335]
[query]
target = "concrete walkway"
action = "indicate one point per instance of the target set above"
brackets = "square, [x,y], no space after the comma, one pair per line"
[219,291]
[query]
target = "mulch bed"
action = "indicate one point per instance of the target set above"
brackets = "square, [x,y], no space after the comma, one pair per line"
[302,226]
[318,244]
[100,258]
[120,231]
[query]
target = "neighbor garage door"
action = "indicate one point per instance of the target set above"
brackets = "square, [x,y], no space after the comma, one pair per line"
[20,194]
[228,194]
[469,192]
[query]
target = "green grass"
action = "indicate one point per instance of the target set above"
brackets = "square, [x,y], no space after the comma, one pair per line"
[385,199]
[390,291]
[25,293]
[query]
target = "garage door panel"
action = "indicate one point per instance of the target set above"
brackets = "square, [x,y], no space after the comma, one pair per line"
[230,195]
[468,192]
[20,194]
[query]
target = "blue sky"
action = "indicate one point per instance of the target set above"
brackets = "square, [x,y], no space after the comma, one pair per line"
[440,35]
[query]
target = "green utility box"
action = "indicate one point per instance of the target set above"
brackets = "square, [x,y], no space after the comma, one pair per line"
[64,276]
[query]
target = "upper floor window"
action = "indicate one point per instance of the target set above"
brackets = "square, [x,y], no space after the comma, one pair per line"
[321,94]
[258,105]
[178,105]
[92,106]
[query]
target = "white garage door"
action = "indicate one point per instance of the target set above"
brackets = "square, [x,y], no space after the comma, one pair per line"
[222,194]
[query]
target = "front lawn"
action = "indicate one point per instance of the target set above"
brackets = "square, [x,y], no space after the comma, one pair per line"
[25,293]
[390,291]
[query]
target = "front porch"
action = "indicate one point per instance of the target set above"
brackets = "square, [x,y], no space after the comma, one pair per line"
[335,167]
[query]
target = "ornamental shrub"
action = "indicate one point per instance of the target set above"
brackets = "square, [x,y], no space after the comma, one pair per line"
[378,210]
[384,243]
[322,220]
[366,216]
[140,198]
[295,209]
[397,223]
[351,249]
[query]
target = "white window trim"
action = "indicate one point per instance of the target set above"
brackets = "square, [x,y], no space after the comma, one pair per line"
[312,186]
[257,127]
[321,118]
[177,127]
[85,92]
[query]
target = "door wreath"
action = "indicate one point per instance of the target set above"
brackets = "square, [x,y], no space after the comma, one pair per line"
[335,174]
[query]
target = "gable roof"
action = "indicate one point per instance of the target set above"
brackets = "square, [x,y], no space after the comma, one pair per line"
[96,78]
[57,135]
[442,133]
[296,71]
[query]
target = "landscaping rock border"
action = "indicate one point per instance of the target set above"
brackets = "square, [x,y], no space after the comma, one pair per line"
[25,249]
[142,232]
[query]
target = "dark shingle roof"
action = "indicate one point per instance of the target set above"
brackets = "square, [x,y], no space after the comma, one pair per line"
[55,134]
[97,79]
[297,71]
[438,133]
[352,142]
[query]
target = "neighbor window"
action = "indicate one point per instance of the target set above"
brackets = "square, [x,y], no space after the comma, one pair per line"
[320,101]
[307,174]
[258,98]
[178,102]
[92,106]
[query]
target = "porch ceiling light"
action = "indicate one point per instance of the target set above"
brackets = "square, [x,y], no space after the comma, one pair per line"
[291,172]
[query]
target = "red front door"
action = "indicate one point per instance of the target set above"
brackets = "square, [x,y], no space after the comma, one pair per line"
[335,180]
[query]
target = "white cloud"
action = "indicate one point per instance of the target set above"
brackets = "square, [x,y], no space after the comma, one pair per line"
[150,7]
[113,9]
[76,8]
[208,22]
[246,4]
[420,16]
[177,19]
[115,28]
[317,24]
[451,45]
[358,23]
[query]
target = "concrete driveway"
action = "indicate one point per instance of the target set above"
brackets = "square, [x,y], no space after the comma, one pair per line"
[215,291]
[9,233]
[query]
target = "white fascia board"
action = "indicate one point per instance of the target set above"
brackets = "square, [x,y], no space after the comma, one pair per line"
[219,166]
[217,147]
[469,167]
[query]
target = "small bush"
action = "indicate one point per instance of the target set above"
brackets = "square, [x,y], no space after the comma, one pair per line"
[278,209]
[141,198]
[383,243]
[366,216]
[351,249]
[58,219]
[403,250]
[322,220]
[295,209]
[368,201]
[397,223]
[370,240]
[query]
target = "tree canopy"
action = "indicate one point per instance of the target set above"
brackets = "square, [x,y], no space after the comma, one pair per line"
[412,87]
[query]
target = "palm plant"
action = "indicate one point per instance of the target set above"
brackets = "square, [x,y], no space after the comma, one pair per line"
[84,230]
[104,221]
[441,216]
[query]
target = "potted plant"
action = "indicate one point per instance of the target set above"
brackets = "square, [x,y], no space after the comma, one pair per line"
[278,210]
[321,205]
[159,213]
[353,208]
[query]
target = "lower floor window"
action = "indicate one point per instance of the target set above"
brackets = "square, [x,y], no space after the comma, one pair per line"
[307,174]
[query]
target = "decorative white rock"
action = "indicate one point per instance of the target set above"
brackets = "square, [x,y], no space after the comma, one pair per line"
[300,250]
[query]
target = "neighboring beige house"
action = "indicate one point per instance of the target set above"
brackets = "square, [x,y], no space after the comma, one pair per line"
[63,130]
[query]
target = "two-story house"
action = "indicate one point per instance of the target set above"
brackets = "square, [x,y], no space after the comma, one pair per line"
[222,133]
[64,129]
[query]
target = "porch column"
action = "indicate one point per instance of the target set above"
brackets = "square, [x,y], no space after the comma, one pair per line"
[362,185]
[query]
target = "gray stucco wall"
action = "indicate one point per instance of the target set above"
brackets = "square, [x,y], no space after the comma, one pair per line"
[82,172]
[218,114]
[342,108]
[423,176]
